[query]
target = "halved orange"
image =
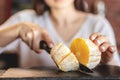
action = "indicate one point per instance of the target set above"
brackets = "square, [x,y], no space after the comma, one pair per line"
[86,52]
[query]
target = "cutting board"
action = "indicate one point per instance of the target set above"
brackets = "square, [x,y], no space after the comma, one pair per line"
[17,72]
[40,72]
[99,71]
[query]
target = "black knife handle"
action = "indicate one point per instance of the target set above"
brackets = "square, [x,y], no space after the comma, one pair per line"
[43,45]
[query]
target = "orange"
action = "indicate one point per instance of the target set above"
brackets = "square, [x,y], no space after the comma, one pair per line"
[86,52]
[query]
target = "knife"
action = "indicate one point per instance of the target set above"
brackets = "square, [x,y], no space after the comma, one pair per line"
[83,68]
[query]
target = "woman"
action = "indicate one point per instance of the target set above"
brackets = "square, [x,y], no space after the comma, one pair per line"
[55,21]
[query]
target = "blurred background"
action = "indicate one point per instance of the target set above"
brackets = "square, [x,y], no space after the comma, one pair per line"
[109,9]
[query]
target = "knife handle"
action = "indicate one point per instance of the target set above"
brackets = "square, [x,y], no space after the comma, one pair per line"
[43,45]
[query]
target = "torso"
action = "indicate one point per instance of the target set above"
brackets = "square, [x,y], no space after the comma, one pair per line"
[67,31]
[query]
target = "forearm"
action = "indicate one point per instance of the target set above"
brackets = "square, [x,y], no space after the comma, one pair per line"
[9,34]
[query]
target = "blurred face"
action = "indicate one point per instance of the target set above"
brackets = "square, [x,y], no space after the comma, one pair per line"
[59,3]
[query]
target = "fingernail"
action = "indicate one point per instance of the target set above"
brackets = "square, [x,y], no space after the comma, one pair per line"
[51,45]
[98,42]
[112,49]
[102,48]
[92,38]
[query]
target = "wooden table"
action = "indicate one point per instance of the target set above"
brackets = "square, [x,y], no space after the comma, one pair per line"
[100,72]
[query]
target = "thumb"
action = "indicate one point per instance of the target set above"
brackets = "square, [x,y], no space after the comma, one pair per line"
[49,42]
[48,39]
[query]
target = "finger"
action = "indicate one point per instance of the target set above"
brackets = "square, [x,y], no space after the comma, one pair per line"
[103,58]
[94,36]
[36,40]
[48,39]
[104,47]
[24,37]
[100,39]
[38,51]
[30,39]
[112,49]
[106,57]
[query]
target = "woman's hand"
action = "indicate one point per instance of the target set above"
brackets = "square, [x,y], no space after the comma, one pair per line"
[32,34]
[104,46]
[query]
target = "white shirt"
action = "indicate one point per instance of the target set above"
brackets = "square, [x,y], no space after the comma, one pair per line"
[29,58]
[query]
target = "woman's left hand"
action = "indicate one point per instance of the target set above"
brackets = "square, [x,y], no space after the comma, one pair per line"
[104,45]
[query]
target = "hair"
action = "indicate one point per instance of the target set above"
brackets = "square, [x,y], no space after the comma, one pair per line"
[40,6]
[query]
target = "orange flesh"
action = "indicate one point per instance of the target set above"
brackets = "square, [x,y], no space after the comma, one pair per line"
[81,50]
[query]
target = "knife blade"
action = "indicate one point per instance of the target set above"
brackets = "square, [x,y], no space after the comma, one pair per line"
[82,68]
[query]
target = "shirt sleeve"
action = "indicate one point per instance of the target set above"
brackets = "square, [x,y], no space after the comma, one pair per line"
[105,28]
[21,16]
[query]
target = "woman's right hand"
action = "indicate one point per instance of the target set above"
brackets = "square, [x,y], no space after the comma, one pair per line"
[32,34]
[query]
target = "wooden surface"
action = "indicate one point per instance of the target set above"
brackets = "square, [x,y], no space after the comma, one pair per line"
[17,72]
[102,71]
